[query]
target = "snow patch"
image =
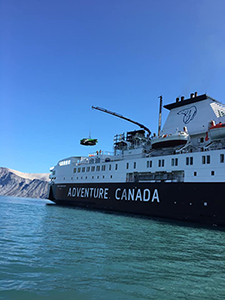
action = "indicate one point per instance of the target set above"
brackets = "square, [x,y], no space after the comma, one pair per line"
[31,176]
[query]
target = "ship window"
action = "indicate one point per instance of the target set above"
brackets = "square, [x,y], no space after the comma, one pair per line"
[189,160]
[92,169]
[83,169]
[212,173]
[206,159]
[103,167]
[172,162]
[93,177]
[195,173]
[65,162]
[88,169]
[127,165]
[222,158]
[149,164]
[74,170]
[116,166]
[97,177]
[81,177]
[103,176]
[176,161]
[135,165]
[78,170]
[98,168]
[110,176]
[203,159]
[86,177]
[110,167]
[161,162]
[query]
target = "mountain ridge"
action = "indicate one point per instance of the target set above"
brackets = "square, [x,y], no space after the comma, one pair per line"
[18,184]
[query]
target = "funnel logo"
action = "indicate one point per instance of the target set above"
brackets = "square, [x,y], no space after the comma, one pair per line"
[189,114]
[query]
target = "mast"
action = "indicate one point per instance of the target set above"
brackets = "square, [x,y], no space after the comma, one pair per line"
[122,117]
[160,115]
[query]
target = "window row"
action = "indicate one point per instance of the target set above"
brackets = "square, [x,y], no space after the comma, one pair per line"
[91,177]
[93,168]
[161,163]
[111,176]
[189,161]
[65,162]
[205,159]
[134,165]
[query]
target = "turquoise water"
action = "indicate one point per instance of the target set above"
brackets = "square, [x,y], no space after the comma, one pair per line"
[51,252]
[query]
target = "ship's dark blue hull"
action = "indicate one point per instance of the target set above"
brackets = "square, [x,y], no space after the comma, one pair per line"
[199,202]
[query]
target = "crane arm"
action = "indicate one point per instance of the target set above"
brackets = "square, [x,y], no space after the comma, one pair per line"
[122,117]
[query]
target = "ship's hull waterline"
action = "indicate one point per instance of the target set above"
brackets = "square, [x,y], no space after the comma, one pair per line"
[198,202]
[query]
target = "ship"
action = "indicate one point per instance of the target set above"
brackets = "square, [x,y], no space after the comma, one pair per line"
[176,174]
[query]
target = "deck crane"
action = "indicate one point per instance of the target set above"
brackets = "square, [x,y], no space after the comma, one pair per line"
[122,117]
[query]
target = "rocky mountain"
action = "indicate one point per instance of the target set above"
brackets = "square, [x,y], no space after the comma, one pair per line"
[18,184]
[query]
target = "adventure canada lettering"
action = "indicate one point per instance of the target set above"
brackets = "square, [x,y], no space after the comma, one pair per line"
[99,193]
[126,194]
[137,195]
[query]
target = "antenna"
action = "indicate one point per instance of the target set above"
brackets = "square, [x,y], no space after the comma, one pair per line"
[160,115]
[122,117]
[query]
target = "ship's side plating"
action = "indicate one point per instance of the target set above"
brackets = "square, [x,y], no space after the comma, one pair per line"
[184,182]
[200,202]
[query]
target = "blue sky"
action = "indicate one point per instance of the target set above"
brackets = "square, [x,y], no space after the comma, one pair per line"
[58,58]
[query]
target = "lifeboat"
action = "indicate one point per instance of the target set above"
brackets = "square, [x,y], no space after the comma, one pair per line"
[216,131]
[180,138]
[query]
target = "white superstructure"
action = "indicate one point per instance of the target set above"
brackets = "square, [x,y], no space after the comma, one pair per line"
[200,159]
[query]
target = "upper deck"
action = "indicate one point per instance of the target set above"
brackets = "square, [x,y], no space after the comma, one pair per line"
[200,159]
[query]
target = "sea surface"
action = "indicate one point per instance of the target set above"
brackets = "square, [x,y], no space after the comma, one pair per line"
[53,252]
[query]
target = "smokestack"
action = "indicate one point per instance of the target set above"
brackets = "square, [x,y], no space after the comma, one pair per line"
[177,99]
[192,95]
[182,98]
[196,94]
